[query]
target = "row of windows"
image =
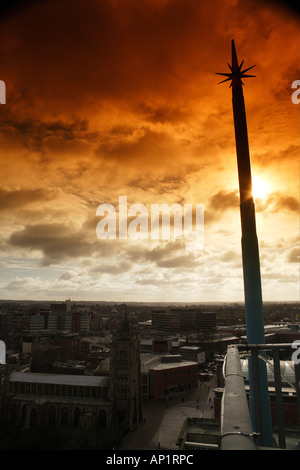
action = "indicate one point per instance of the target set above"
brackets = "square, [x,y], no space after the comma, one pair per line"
[179,381]
[58,390]
[65,417]
[180,371]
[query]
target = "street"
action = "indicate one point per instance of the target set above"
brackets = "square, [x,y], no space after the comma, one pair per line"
[163,419]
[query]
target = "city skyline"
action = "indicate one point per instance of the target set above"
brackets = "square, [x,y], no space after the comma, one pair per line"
[121,99]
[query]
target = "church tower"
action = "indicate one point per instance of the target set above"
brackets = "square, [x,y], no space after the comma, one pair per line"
[125,378]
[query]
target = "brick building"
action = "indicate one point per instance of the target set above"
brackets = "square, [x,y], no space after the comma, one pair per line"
[173,375]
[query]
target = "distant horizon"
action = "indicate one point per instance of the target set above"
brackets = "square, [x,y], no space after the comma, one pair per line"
[148,303]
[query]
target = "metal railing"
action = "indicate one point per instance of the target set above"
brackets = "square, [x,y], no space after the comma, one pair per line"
[236,423]
[236,428]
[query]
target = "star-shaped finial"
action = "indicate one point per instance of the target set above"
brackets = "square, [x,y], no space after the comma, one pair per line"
[236,73]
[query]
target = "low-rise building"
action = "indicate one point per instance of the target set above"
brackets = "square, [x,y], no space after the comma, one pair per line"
[57,399]
[173,375]
[193,353]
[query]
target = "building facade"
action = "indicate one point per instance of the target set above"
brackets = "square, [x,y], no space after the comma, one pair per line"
[193,353]
[174,320]
[55,400]
[102,404]
[173,375]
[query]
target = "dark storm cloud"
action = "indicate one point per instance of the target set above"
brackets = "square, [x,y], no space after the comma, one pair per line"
[107,96]
[149,146]
[19,198]
[58,242]
[224,200]
[79,55]
[219,203]
[37,135]
[169,255]
[277,202]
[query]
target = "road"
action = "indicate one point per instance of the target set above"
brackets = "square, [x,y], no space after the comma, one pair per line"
[163,420]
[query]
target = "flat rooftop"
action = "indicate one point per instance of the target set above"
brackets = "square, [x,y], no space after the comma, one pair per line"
[174,365]
[60,379]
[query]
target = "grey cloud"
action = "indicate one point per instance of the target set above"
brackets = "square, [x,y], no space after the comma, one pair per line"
[186,261]
[219,203]
[36,135]
[224,200]
[289,154]
[116,268]
[294,256]
[230,256]
[59,242]
[288,203]
[276,202]
[23,197]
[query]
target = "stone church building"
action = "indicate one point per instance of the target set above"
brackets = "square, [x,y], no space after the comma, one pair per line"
[104,404]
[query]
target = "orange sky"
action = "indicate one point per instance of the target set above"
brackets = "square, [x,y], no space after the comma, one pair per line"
[111,97]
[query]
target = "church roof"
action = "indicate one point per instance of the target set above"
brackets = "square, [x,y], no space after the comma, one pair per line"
[60,379]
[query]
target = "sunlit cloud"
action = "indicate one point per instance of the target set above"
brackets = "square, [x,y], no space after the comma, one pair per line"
[122,99]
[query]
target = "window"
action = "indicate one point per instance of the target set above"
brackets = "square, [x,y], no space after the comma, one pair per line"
[52,416]
[123,359]
[64,416]
[33,418]
[23,415]
[102,419]
[13,415]
[76,416]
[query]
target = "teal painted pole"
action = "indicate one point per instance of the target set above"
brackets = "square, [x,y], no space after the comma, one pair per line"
[250,250]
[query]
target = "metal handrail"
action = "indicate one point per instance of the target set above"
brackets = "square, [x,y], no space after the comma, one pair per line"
[236,426]
[236,429]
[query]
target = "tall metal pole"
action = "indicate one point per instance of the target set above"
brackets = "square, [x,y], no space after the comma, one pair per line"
[249,242]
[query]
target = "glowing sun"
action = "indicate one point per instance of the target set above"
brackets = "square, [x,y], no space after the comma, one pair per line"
[260,187]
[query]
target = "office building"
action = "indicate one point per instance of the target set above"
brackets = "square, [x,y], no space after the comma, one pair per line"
[174,320]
